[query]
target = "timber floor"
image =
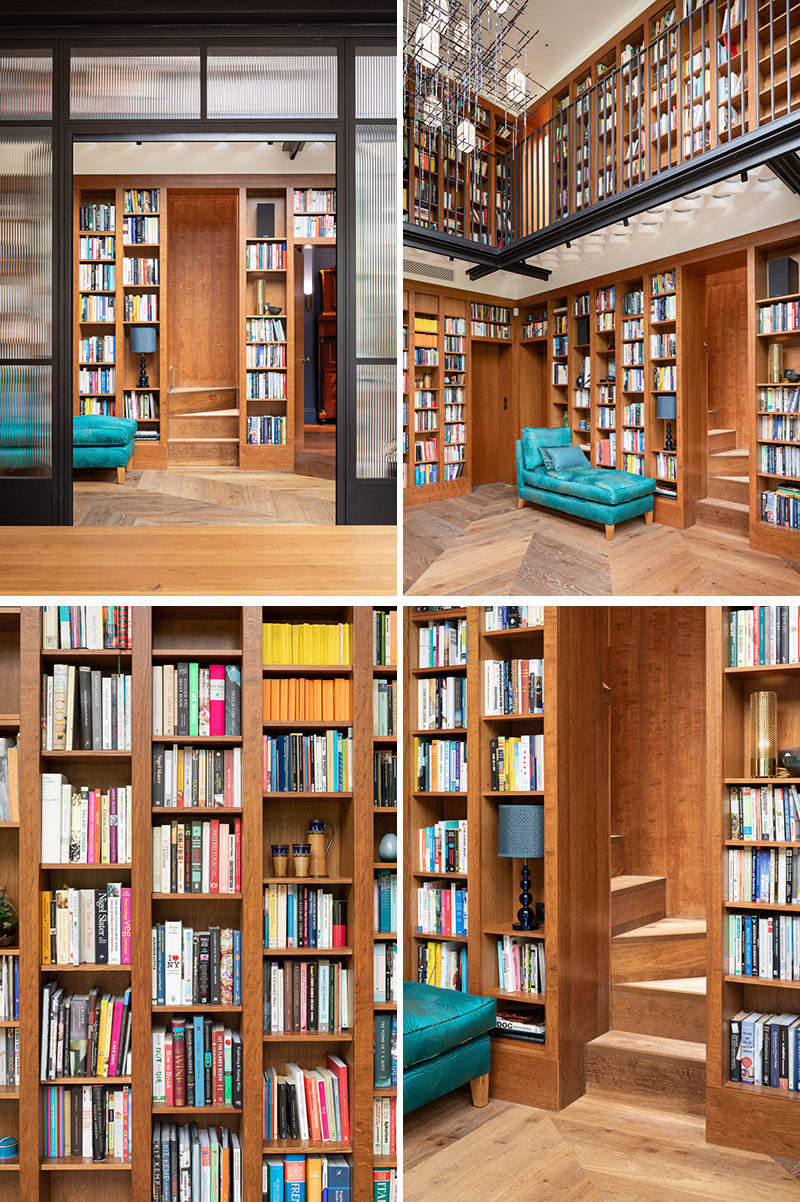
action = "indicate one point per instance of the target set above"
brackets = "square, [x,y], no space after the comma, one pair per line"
[599,1149]
[206,496]
[482,544]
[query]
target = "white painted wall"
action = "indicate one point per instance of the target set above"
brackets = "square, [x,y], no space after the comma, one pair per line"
[201,158]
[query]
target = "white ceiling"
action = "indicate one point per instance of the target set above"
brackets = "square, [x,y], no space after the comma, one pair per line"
[201,158]
[723,210]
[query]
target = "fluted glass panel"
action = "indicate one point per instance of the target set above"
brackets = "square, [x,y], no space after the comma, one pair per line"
[376,94]
[26,170]
[26,83]
[136,83]
[26,421]
[272,84]
[376,420]
[376,249]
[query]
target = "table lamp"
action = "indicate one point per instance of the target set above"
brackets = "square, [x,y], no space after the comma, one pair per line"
[520,836]
[143,342]
[667,411]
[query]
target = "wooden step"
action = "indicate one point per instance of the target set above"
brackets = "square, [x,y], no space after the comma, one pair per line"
[729,463]
[197,399]
[617,855]
[636,900]
[732,516]
[729,488]
[204,425]
[663,950]
[212,452]
[674,1009]
[721,440]
[622,1062]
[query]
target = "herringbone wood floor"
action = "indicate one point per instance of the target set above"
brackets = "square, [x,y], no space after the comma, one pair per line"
[600,1149]
[483,544]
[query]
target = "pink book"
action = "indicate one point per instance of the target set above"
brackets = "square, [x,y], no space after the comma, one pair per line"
[339,1069]
[169,1084]
[237,856]
[116,1027]
[323,1106]
[113,817]
[90,858]
[303,994]
[126,1118]
[216,703]
[125,924]
[265,764]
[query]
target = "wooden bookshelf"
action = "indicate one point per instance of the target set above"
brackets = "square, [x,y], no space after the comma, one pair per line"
[759,1118]
[572,879]
[163,634]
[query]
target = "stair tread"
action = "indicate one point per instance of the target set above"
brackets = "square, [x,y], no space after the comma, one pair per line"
[720,430]
[735,506]
[738,479]
[201,413]
[651,1045]
[666,928]
[619,883]
[197,439]
[733,453]
[689,985]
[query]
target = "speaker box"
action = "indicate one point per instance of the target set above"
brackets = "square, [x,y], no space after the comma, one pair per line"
[782,275]
[583,330]
[265,221]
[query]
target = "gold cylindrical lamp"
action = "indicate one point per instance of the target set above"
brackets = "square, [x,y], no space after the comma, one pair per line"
[261,297]
[775,362]
[763,733]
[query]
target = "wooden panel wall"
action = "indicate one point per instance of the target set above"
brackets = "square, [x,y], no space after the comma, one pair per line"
[494,425]
[726,359]
[658,738]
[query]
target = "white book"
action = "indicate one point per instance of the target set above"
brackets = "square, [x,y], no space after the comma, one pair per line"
[86,1120]
[59,707]
[50,628]
[232,863]
[83,818]
[73,911]
[236,1166]
[224,857]
[188,936]
[159,1077]
[70,710]
[114,922]
[52,787]
[156,860]
[94,627]
[295,1075]
[49,723]
[105,702]
[237,776]
[66,820]
[206,858]
[166,880]
[158,700]
[173,948]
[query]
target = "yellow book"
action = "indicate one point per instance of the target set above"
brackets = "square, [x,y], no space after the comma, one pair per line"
[13,783]
[430,962]
[101,1037]
[46,895]
[438,947]
[313,1179]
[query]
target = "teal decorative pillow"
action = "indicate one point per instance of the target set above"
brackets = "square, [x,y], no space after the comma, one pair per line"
[535,437]
[95,431]
[563,457]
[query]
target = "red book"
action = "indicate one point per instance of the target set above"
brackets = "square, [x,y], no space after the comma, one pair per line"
[312,1105]
[179,1060]
[213,875]
[216,704]
[339,1070]
[169,1084]
[98,836]
[218,1064]
[225,858]
[237,856]
[126,923]
[228,794]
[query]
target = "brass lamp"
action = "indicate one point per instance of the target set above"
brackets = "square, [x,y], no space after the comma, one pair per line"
[763,733]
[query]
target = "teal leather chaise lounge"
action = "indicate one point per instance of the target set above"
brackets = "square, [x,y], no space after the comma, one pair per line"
[575,486]
[445,1043]
[103,442]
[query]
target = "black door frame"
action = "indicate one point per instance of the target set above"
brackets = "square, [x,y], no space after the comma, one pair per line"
[357,502]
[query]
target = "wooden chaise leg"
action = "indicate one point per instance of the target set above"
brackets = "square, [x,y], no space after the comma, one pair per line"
[609,532]
[648,517]
[520,502]
[120,475]
[480,1090]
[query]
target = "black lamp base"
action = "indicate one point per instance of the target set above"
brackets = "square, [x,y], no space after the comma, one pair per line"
[143,380]
[669,445]
[528,921]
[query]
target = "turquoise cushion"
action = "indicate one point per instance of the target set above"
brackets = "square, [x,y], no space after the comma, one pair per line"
[102,431]
[593,511]
[436,1020]
[593,484]
[105,457]
[432,1078]
[533,437]
[561,457]
[20,433]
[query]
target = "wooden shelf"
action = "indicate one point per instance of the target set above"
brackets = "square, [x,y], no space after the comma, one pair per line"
[83,1164]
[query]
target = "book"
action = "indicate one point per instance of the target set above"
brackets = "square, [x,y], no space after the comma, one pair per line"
[321,643]
[384,1114]
[442,909]
[189,777]
[514,686]
[303,916]
[196,1164]
[307,699]
[384,1055]
[84,825]
[85,709]
[183,712]
[84,1035]
[306,995]
[174,1084]
[73,923]
[315,1101]
[384,898]
[384,706]
[520,965]
[440,765]
[443,964]
[384,636]
[443,846]
[9,780]
[197,856]
[93,1122]
[516,763]
[441,703]
[192,967]
[386,972]
[314,763]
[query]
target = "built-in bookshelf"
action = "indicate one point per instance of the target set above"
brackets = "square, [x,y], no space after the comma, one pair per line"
[452,798]
[15,1103]
[604,377]
[748,650]
[491,322]
[558,324]
[406,401]
[168,859]
[315,216]
[580,366]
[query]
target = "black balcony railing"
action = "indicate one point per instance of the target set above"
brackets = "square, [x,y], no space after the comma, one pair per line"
[726,68]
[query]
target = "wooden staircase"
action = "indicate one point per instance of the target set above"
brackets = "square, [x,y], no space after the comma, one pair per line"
[657,1042]
[204,426]
[726,505]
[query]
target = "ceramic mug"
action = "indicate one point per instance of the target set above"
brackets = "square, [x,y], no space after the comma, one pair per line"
[280,859]
[301,854]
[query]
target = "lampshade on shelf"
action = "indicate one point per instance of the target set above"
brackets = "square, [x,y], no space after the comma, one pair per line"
[143,342]
[520,836]
[763,733]
[666,407]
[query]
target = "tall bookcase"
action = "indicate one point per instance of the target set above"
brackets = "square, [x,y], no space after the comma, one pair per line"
[14,1104]
[169,634]
[758,1117]
[571,881]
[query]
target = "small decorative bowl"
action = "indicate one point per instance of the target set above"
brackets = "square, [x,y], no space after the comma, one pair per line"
[273,309]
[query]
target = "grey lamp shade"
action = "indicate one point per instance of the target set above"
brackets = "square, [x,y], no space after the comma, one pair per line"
[143,340]
[666,407]
[520,832]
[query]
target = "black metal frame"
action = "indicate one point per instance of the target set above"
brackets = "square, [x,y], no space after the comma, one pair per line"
[23,498]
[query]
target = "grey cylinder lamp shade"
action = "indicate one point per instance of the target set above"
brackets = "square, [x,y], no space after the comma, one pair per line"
[666,407]
[143,340]
[520,832]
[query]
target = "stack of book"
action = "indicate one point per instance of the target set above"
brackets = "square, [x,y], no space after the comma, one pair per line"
[88,1121]
[197,1062]
[384,1113]
[764,635]
[767,876]
[194,700]
[384,898]
[514,686]
[443,846]
[384,1051]
[306,995]
[9,987]
[306,1178]
[765,813]
[85,709]
[522,1024]
[198,856]
[84,1035]
[520,965]
[442,703]
[384,779]
[87,926]
[517,763]
[303,916]
[307,699]
[308,1104]
[196,1164]
[84,825]
[443,964]
[184,777]
[9,780]
[442,909]
[763,1050]
[441,765]
[196,968]
[384,706]
[763,945]
[322,643]
[9,1057]
[316,763]
[443,644]
[512,617]
[386,972]
[384,636]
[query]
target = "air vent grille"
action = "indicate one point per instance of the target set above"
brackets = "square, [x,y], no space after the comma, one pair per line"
[428,271]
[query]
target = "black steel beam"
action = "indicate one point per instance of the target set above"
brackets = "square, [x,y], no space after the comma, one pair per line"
[437,243]
[787,169]
[528,269]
